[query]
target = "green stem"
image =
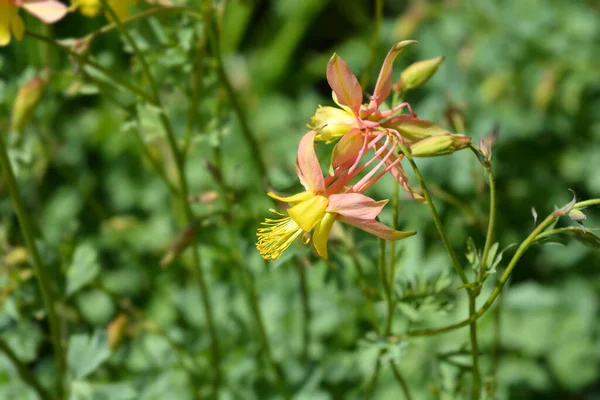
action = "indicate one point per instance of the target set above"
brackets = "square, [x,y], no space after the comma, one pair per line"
[255,151]
[392,266]
[373,381]
[135,48]
[86,60]
[146,13]
[497,343]
[26,375]
[491,226]
[434,214]
[365,288]
[364,79]
[43,279]
[504,278]
[196,84]
[553,232]
[154,162]
[279,375]
[387,290]
[474,350]
[184,194]
[401,381]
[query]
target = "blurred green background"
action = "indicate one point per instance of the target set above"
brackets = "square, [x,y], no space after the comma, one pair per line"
[137,331]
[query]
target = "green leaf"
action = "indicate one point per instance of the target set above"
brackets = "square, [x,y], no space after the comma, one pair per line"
[472,254]
[87,353]
[84,268]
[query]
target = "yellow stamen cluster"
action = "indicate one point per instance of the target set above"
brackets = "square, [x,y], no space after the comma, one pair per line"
[276,236]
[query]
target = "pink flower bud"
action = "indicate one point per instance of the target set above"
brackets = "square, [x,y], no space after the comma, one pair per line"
[25,103]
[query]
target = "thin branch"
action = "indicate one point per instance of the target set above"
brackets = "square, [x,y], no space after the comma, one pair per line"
[40,270]
[24,372]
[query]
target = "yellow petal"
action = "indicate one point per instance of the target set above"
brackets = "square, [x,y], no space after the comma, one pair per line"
[18,28]
[308,213]
[321,234]
[296,198]
[7,12]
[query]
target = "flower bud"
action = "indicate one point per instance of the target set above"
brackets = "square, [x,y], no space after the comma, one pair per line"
[439,145]
[577,215]
[414,129]
[418,73]
[25,103]
[116,330]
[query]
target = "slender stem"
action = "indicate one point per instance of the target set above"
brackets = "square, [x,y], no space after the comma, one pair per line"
[434,214]
[196,85]
[401,381]
[474,350]
[279,375]
[387,290]
[364,79]
[491,226]
[146,13]
[373,381]
[504,278]
[40,270]
[255,151]
[154,162]
[553,232]
[497,342]
[86,60]
[364,286]
[135,48]
[184,194]
[470,215]
[24,372]
[392,267]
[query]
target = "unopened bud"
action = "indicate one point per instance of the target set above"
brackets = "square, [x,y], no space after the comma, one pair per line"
[439,145]
[577,215]
[116,330]
[418,73]
[26,101]
[413,129]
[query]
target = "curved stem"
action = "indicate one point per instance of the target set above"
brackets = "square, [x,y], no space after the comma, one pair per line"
[434,214]
[474,350]
[135,48]
[24,372]
[40,270]
[491,226]
[364,79]
[86,60]
[144,14]
[504,278]
[401,381]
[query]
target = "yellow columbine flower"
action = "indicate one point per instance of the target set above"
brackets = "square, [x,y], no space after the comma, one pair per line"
[49,11]
[91,8]
[317,208]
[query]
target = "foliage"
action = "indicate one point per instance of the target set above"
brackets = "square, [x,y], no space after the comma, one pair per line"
[238,82]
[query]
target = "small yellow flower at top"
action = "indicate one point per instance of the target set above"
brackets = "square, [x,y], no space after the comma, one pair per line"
[48,11]
[91,8]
